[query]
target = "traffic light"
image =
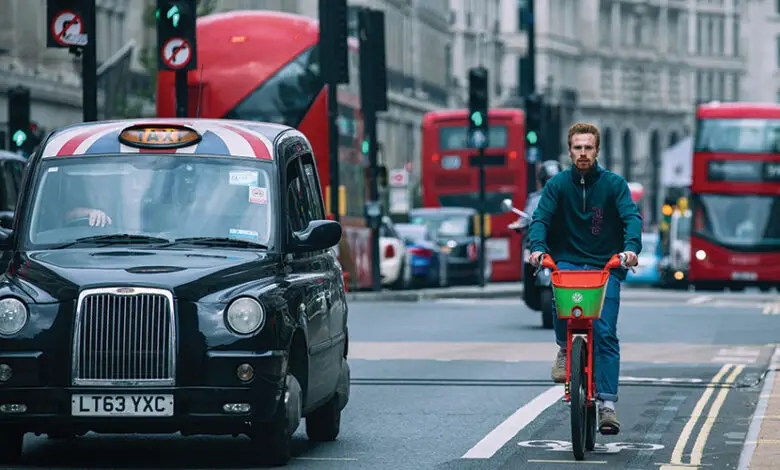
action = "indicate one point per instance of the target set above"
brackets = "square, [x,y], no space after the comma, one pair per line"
[176,41]
[18,117]
[372,57]
[534,105]
[478,107]
[334,51]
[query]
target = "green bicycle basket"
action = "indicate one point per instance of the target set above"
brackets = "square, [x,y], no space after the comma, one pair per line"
[579,294]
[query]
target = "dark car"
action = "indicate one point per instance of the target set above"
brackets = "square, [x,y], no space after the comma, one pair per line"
[167,277]
[453,229]
[11,169]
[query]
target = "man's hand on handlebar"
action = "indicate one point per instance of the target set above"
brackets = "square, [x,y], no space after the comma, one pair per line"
[536,258]
[631,259]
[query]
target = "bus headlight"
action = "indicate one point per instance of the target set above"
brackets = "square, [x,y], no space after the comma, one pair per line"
[245,315]
[13,316]
[701,255]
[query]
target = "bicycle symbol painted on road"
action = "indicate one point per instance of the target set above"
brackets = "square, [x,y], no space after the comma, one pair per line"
[608,448]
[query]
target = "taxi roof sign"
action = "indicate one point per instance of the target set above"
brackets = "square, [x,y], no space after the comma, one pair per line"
[160,136]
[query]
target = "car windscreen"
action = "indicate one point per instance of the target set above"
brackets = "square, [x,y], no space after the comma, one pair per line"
[169,196]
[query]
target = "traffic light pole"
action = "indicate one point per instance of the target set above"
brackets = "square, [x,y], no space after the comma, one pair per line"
[181,93]
[89,65]
[333,144]
[482,237]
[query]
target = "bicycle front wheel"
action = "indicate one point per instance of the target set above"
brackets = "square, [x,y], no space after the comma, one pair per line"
[579,395]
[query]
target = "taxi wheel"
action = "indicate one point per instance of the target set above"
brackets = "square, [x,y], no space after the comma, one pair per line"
[274,439]
[11,444]
[324,423]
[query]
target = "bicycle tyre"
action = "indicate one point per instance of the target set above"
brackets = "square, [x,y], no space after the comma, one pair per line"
[579,395]
[592,418]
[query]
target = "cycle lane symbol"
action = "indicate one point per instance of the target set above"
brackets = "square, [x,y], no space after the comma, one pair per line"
[608,448]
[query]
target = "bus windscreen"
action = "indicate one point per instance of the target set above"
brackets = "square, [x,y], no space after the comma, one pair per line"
[738,135]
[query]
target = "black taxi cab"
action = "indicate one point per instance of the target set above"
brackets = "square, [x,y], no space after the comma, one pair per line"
[170,276]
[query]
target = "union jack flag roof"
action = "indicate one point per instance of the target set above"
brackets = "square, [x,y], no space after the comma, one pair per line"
[219,137]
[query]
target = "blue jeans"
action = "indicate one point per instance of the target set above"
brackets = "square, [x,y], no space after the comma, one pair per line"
[607,345]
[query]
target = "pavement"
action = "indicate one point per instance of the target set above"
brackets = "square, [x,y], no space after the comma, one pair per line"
[464,383]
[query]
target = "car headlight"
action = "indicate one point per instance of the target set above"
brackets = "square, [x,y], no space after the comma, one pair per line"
[13,316]
[245,315]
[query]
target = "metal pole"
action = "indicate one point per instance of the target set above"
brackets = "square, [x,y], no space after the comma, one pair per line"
[370,123]
[181,93]
[482,236]
[89,65]
[333,144]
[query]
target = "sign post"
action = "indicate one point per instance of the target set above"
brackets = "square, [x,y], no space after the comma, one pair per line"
[478,137]
[71,24]
[177,45]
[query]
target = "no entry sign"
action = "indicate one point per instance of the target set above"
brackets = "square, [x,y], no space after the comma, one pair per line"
[67,29]
[176,53]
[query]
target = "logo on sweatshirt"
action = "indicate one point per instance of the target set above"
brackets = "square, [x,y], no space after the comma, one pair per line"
[597,220]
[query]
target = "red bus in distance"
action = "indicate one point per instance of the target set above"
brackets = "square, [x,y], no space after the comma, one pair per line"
[735,196]
[450,177]
[263,66]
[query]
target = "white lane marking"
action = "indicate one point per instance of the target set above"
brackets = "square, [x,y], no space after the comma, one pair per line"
[758,416]
[772,309]
[521,418]
[700,299]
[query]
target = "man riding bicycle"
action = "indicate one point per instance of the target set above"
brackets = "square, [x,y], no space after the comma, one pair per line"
[586,215]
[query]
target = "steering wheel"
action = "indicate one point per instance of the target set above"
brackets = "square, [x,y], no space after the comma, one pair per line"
[77,221]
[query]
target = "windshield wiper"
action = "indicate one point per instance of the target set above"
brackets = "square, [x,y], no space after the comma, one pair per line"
[220,241]
[115,238]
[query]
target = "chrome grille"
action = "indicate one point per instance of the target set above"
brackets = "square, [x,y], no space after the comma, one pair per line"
[124,336]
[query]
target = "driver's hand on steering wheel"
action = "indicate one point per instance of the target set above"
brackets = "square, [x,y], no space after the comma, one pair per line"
[97,218]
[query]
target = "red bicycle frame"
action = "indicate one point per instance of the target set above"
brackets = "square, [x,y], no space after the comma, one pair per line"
[579,326]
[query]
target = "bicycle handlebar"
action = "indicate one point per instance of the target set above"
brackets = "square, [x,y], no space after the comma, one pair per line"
[617,261]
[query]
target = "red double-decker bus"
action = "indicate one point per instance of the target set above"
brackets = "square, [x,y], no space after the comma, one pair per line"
[450,177]
[735,196]
[264,66]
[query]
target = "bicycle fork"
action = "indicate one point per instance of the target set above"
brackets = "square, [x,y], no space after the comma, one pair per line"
[584,329]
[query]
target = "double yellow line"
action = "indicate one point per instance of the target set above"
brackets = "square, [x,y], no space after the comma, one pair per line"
[698,446]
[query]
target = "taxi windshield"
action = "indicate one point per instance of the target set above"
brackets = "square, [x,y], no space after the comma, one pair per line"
[167,197]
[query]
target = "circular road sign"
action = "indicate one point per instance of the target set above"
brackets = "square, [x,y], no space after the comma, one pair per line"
[176,53]
[68,29]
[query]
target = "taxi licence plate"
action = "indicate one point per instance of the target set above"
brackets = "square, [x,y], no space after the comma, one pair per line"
[143,405]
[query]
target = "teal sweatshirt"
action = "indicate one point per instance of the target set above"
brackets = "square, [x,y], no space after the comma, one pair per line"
[585,219]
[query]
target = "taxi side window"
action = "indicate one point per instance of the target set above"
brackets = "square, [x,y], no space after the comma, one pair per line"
[317,211]
[297,213]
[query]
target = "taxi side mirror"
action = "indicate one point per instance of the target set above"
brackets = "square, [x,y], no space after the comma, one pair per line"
[318,235]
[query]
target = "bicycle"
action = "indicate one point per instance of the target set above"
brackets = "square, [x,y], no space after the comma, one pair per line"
[579,298]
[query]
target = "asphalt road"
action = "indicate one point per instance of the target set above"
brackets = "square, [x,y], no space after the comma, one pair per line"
[464,384]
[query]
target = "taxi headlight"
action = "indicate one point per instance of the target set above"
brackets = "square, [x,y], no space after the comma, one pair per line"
[245,315]
[13,316]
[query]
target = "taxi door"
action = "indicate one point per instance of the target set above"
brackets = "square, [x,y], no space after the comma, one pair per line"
[308,274]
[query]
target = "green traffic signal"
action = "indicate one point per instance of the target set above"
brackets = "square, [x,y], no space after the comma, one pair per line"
[476,118]
[532,137]
[173,15]
[364,147]
[19,137]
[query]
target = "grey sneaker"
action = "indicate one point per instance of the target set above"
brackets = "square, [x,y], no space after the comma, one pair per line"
[559,367]
[608,422]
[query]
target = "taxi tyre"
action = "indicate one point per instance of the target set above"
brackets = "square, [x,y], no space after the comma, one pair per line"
[11,445]
[324,423]
[274,439]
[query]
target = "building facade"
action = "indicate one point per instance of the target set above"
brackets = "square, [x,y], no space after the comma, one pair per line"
[637,70]
[54,75]
[761,31]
